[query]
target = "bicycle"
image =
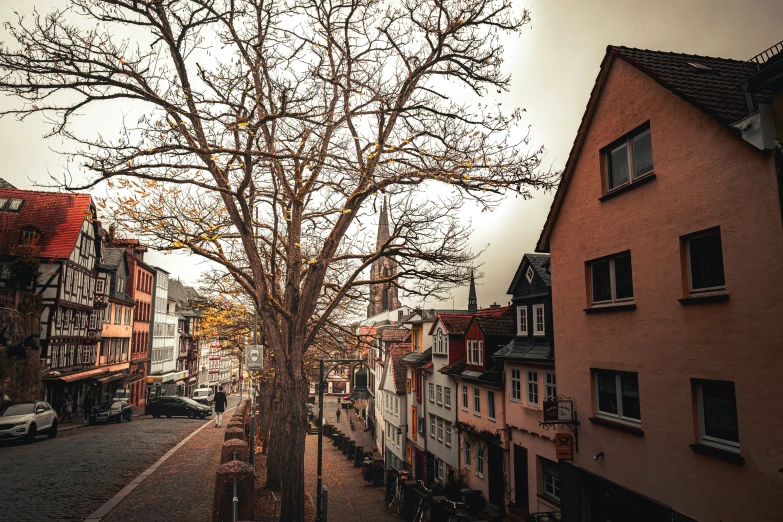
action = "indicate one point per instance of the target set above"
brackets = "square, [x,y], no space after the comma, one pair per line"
[455,515]
[422,508]
[398,494]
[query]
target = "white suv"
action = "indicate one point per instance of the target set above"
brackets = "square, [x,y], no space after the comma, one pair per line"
[26,420]
[204,396]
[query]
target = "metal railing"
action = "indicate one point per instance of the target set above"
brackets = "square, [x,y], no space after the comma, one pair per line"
[766,55]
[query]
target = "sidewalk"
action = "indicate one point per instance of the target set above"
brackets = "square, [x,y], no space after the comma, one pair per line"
[362,438]
[183,486]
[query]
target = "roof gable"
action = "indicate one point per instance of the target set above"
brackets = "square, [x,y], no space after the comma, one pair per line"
[495,322]
[540,264]
[712,90]
[58,217]
[453,324]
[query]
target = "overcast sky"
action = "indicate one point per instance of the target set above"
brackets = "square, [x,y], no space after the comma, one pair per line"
[553,65]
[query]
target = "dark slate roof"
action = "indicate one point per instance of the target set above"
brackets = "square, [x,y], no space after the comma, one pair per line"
[496,322]
[713,90]
[5,184]
[527,350]
[113,257]
[408,317]
[455,324]
[417,359]
[454,368]
[493,376]
[539,262]
[398,351]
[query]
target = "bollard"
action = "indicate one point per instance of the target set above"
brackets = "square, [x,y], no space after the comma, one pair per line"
[234,445]
[377,479]
[234,433]
[358,457]
[351,449]
[223,502]
[236,424]
[346,442]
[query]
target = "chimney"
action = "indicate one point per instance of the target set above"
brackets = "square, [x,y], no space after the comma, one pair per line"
[494,305]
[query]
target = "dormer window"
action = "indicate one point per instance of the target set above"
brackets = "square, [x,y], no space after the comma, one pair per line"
[10,205]
[30,236]
[440,344]
[120,285]
[629,158]
[529,274]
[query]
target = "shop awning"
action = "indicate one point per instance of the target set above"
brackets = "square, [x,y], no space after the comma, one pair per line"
[175,376]
[113,377]
[133,378]
[76,376]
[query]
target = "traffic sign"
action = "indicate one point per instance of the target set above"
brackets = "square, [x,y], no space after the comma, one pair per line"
[254,357]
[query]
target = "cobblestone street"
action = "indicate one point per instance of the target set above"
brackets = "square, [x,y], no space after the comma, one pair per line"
[350,497]
[69,477]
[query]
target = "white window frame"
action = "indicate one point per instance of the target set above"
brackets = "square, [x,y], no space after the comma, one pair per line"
[127,315]
[476,401]
[480,460]
[440,469]
[531,388]
[465,398]
[550,486]
[612,280]
[522,320]
[432,426]
[728,445]
[627,142]
[516,385]
[396,405]
[99,285]
[93,320]
[447,439]
[432,392]
[439,395]
[536,330]
[440,429]
[529,273]
[550,386]
[447,397]
[618,417]
[491,405]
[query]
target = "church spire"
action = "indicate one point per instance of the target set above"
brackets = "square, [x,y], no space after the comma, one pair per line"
[383,296]
[383,226]
[472,303]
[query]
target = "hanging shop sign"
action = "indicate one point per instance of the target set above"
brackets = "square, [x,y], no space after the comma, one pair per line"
[550,411]
[564,446]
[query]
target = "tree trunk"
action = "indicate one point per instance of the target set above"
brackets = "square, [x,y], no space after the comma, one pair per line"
[293,388]
[274,459]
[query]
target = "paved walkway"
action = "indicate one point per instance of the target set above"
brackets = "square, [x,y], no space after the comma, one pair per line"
[350,497]
[362,437]
[183,486]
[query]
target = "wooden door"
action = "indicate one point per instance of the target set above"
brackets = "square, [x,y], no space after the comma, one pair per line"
[495,471]
[521,498]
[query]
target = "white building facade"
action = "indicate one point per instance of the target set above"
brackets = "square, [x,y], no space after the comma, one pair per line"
[164,340]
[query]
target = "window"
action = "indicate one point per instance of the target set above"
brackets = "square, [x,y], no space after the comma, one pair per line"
[447,396]
[440,469]
[465,397]
[718,414]
[538,320]
[99,286]
[396,405]
[490,404]
[476,401]
[117,314]
[439,394]
[529,274]
[29,236]
[468,455]
[440,430]
[408,386]
[704,255]
[532,387]
[475,352]
[521,320]
[14,205]
[107,315]
[408,455]
[612,279]
[480,461]
[629,159]
[120,285]
[448,434]
[516,385]
[551,477]
[414,422]
[127,314]
[432,426]
[618,396]
[58,314]
[432,392]
[440,344]
[550,386]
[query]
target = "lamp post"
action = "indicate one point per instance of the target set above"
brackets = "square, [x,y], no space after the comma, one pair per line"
[358,391]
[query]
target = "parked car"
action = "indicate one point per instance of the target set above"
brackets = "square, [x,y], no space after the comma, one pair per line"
[204,395]
[177,406]
[111,411]
[26,420]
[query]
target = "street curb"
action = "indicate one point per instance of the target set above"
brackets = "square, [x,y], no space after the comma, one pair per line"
[110,504]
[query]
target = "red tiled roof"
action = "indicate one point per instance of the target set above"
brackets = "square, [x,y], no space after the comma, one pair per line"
[496,321]
[394,334]
[455,324]
[397,351]
[58,216]
[713,90]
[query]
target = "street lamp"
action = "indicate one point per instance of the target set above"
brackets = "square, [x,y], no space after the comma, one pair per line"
[359,391]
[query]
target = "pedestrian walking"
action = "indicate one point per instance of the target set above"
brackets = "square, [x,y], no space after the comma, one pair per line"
[220,406]
[87,407]
[67,409]
[338,414]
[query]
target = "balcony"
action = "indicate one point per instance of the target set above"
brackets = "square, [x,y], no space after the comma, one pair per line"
[767,55]
[17,300]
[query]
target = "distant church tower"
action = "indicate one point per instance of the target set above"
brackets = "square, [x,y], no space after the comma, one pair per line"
[472,303]
[383,296]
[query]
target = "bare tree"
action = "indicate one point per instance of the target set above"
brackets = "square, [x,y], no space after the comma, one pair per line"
[269,130]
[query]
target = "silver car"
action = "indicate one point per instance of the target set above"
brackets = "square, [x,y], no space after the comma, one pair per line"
[26,420]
